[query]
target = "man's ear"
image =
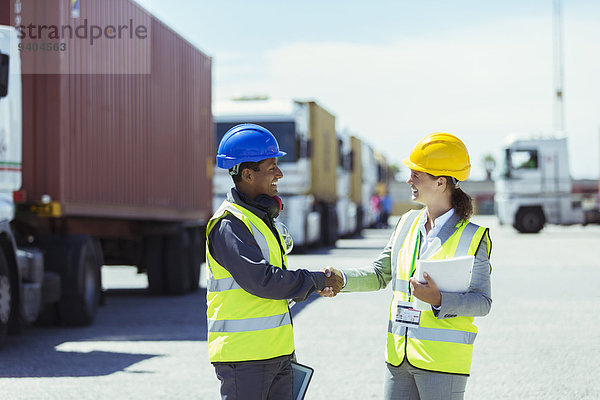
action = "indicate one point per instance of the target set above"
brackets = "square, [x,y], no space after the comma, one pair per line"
[442,181]
[247,175]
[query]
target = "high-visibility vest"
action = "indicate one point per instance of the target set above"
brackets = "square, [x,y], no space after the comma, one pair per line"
[444,345]
[241,326]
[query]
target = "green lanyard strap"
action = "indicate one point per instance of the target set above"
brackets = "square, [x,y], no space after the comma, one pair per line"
[414,260]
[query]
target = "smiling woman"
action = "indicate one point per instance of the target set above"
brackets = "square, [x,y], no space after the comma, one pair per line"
[429,350]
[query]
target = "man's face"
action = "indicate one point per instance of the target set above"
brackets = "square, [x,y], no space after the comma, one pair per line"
[265,179]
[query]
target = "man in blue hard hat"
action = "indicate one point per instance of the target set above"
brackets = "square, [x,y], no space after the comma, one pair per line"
[250,336]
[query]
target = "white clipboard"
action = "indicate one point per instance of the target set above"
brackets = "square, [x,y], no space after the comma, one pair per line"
[450,275]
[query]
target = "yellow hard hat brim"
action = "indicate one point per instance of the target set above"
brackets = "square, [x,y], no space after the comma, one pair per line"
[461,175]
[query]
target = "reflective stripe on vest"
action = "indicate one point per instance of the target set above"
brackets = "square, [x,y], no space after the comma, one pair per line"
[401,285]
[221,285]
[241,326]
[262,242]
[440,335]
[436,345]
[466,238]
[249,324]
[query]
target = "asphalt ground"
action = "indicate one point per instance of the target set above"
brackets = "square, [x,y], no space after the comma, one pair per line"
[540,341]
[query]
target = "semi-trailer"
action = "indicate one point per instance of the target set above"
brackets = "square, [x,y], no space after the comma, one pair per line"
[106,153]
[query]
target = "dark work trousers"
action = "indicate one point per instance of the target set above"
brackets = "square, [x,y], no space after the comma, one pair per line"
[250,381]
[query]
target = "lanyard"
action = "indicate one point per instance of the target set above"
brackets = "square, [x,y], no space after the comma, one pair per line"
[414,257]
[414,260]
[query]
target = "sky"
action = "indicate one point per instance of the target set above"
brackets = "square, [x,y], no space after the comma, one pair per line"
[393,71]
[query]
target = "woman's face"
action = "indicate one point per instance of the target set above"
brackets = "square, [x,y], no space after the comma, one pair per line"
[425,188]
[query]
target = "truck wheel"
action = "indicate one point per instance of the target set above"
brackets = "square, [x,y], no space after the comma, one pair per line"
[153,263]
[529,220]
[81,281]
[197,256]
[360,215]
[177,263]
[328,224]
[6,300]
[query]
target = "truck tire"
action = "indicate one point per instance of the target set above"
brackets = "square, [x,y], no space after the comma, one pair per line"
[329,224]
[197,256]
[177,263]
[529,220]
[6,299]
[360,215]
[81,281]
[154,265]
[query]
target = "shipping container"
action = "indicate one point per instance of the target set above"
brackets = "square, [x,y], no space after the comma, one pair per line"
[125,145]
[356,181]
[324,160]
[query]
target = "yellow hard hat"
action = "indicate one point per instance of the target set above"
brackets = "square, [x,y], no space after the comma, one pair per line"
[440,154]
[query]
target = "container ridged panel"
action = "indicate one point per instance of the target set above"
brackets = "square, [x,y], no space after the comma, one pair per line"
[325,154]
[120,145]
[356,180]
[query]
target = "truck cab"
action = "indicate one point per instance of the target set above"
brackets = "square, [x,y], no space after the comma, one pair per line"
[535,185]
[21,270]
[289,121]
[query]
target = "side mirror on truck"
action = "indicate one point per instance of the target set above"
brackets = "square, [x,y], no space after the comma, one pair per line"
[3,75]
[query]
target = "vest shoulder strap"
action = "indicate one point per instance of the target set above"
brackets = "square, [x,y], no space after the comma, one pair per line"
[402,230]
[229,207]
[470,233]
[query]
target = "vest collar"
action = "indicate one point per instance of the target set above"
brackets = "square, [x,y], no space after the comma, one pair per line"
[448,228]
[237,198]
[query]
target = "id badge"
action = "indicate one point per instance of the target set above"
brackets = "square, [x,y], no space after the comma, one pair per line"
[407,315]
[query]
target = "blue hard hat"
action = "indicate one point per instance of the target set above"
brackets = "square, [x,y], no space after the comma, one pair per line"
[247,142]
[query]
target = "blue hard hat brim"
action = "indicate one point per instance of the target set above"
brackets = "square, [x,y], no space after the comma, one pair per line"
[229,162]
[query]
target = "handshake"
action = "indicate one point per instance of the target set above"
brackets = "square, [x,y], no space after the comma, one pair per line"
[334,282]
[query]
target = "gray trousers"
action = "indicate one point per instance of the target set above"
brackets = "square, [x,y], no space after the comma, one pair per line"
[251,381]
[409,383]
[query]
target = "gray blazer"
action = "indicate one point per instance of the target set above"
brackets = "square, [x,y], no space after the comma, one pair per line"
[476,302]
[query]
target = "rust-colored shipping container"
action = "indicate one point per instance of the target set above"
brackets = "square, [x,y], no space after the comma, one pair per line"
[127,145]
[117,139]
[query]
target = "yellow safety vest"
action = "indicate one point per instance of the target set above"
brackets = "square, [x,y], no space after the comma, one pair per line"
[241,326]
[436,345]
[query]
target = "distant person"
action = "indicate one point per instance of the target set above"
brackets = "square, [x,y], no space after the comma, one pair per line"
[387,203]
[250,336]
[376,209]
[432,359]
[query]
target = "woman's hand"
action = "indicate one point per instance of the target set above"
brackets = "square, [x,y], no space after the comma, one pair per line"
[427,292]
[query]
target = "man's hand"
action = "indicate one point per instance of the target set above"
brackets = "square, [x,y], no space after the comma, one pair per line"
[333,282]
[427,292]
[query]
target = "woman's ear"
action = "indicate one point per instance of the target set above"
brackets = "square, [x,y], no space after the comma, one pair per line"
[442,181]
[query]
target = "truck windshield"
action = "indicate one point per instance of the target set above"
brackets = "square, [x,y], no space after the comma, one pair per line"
[524,159]
[519,160]
[284,131]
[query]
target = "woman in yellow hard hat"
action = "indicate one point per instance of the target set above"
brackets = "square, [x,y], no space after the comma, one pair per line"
[429,346]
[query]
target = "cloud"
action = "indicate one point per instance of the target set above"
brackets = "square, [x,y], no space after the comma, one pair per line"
[480,82]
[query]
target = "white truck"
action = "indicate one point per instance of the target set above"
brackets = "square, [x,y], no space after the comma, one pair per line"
[306,132]
[535,186]
[347,206]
